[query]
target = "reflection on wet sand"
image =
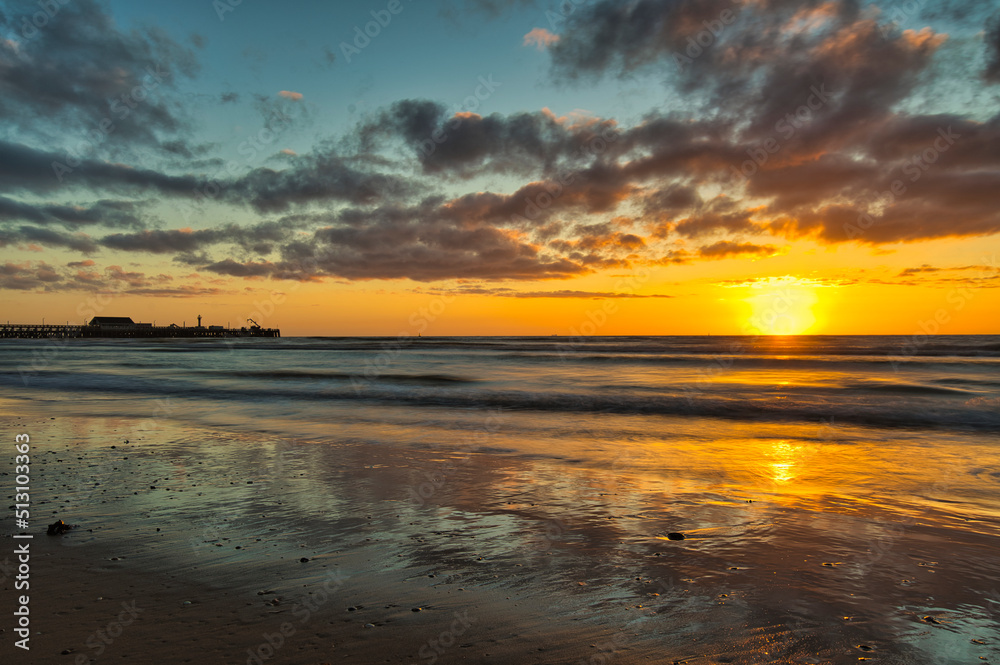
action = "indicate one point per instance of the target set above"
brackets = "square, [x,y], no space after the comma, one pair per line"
[798,547]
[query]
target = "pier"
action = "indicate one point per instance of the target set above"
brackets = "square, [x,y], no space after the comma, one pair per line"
[115,327]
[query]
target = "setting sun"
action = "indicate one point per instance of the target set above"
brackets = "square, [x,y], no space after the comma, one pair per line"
[780,305]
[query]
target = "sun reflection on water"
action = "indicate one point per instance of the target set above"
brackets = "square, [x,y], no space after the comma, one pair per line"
[784,458]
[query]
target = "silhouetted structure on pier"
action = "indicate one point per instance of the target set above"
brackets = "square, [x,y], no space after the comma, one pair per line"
[125,327]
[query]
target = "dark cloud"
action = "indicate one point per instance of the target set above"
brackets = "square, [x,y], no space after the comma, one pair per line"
[259,239]
[466,143]
[623,36]
[318,177]
[321,176]
[922,269]
[79,242]
[108,213]
[725,249]
[248,269]
[86,276]
[426,242]
[23,168]
[80,69]
[27,277]
[992,39]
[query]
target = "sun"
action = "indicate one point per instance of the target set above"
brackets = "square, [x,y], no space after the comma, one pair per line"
[780,305]
[785,310]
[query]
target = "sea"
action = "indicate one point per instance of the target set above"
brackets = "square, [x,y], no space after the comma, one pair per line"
[857,475]
[947,385]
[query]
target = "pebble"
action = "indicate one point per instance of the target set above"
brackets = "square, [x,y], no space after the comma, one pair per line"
[676,536]
[303,560]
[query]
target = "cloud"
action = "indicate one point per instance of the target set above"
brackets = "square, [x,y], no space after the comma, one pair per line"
[615,35]
[108,213]
[922,269]
[979,276]
[258,239]
[467,143]
[40,276]
[725,249]
[247,269]
[992,39]
[540,38]
[426,242]
[79,242]
[565,293]
[81,69]
[796,120]
[28,276]
[320,176]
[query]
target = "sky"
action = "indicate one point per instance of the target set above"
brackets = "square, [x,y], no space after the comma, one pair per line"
[494,167]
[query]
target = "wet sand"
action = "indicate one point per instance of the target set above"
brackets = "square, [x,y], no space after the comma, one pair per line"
[509,558]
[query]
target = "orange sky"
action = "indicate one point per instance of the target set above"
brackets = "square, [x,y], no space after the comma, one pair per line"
[805,290]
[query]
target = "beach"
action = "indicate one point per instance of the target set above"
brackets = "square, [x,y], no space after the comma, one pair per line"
[255,505]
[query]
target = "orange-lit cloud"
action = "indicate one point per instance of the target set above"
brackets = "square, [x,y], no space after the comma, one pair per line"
[540,38]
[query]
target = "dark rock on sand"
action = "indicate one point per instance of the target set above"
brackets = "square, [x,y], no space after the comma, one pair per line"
[58,528]
[676,536]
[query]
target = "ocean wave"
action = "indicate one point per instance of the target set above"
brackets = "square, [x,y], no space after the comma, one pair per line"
[848,406]
[421,379]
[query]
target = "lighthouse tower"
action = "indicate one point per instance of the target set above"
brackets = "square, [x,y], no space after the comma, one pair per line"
[199,320]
